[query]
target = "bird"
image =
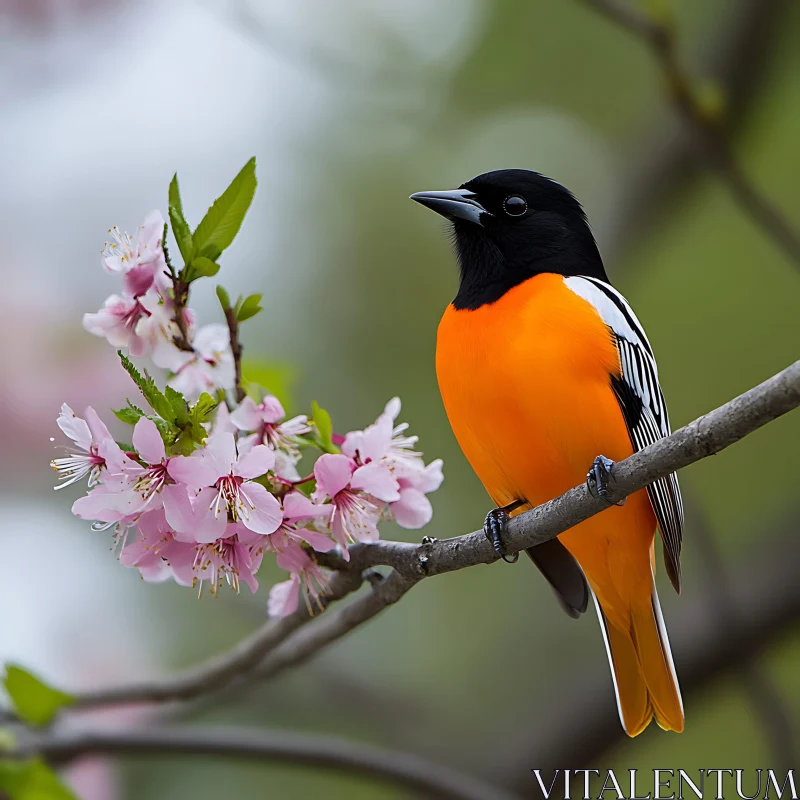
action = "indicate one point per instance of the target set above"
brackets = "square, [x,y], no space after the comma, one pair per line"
[545,370]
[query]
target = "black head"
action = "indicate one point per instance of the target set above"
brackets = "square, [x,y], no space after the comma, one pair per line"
[510,225]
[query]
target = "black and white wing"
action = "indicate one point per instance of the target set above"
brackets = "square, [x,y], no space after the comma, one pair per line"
[642,403]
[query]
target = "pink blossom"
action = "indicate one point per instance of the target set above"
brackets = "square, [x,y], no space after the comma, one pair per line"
[227,558]
[117,321]
[144,324]
[209,367]
[226,490]
[97,449]
[265,418]
[145,484]
[353,491]
[137,258]
[298,510]
[306,577]
[384,442]
[146,552]
[413,509]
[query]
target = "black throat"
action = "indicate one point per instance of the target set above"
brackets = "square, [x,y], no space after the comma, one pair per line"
[486,274]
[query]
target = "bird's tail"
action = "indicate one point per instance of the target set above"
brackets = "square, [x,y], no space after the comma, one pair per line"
[641,664]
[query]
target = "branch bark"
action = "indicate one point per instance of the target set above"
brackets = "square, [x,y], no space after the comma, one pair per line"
[412,563]
[705,127]
[218,672]
[327,752]
[661,155]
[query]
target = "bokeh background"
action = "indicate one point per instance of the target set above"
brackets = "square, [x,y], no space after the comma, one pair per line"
[350,107]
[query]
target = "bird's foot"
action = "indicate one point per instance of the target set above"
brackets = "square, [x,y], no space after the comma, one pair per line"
[429,540]
[599,477]
[494,528]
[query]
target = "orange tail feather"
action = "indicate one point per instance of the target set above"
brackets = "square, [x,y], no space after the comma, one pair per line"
[641,665]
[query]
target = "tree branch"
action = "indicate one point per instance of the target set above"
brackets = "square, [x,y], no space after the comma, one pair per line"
[401,769]
[217,672]
[411,563]
[705,126]
[737,59]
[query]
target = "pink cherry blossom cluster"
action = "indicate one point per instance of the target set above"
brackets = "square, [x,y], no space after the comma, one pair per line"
[208,485]
[143,317]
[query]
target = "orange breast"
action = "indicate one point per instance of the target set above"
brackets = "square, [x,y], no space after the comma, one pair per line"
[526,385]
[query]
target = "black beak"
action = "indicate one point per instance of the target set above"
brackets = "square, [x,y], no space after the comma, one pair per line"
[455,204]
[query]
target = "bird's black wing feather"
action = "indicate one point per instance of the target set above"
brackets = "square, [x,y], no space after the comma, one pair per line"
[639,395]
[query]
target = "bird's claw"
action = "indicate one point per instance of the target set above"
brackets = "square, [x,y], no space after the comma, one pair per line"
[598,478]
[494,528]
[429,540]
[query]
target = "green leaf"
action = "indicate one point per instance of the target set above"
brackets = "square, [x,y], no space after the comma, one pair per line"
[183,234]
[33,700]
[249,308]
[130,415]
[178,405]
[224,298]
[221,223]
[154,396]
[322,420]
[202,410]
[202,267]
[175,195]
[32,780]
[259,376]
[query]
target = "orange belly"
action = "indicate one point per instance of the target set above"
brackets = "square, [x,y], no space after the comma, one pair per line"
[526,385]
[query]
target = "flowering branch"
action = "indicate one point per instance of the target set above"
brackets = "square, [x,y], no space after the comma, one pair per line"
[703,119]
[326,752]
[284,644]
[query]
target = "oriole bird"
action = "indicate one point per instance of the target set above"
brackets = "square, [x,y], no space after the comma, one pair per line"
[543,367]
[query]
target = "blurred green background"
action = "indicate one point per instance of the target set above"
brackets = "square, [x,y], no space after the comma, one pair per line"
[349,108]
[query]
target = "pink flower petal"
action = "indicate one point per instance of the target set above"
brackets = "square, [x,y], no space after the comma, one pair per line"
[376,440]
[413,510]
[272,410]
[431,478]
[392,408]
[220,451]
[297,506]
[138,280]
[258,461]
[75,428]
[333,473]
[284,597]
[294,558]
[192,518]
[319,541]
[265,514]
[102,505]
[193,471]
[247,417]
[96,425]
[147,441]
[377,480]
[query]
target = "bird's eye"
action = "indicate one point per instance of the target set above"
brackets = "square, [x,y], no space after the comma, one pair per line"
[515,205]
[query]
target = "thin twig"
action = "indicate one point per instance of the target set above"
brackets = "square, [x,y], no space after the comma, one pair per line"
[661,155]
[236,351]
[218,672]
[327,752]
[180,298]
[705,126]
